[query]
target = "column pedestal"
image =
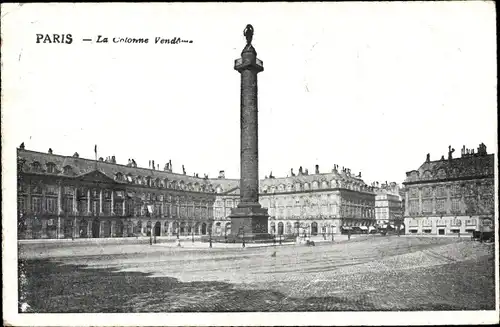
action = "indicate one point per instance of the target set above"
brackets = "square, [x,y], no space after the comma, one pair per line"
[249,223]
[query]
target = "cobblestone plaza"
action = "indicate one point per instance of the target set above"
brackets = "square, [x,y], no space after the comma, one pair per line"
[365,273]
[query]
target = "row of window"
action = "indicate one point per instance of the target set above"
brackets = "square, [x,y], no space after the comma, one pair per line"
[50,167]
[455,172]
[456,189]
[164,183]
[49,205]
[314,186]
[95,193]
[442,222]
[471,204]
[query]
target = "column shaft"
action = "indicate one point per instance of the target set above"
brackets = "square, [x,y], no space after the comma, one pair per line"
[249,183]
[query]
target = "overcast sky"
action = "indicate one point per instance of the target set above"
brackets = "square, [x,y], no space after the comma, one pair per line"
[369,86]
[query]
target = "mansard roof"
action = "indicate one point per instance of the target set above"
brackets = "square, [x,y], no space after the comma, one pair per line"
[468,166]
[71,166]
[325,181]
[311,178]
[82,166]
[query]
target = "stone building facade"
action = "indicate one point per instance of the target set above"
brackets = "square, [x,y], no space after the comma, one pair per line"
[451,195]
[388,205]
[72,197]
[311,204]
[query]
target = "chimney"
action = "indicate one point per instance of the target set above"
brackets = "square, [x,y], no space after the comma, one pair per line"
[222,174]
[50,150]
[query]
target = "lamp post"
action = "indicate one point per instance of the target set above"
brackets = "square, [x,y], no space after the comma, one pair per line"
[192,234]
[242,233]
[210,232]
[243,244]
[480,220]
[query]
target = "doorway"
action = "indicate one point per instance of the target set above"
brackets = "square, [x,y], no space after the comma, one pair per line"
[157,229]
[95,228]
[314,228]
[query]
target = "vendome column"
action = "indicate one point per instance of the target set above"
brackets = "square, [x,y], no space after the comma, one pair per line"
[249,219]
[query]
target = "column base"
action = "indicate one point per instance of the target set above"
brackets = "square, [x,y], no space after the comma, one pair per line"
[249,222]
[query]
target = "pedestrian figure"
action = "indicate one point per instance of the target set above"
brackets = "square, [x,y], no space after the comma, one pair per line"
[349,235]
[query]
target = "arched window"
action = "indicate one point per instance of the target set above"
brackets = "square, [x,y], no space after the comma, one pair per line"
[314,228]
[280,228]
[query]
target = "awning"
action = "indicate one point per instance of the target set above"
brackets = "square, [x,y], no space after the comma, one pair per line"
[392,226]
[384,226]
[363,227]
[371,228]
[346,227]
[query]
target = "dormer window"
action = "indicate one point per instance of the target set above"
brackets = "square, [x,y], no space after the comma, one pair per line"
[67,170]
[51,168]
[36,167]
[20,164]
[119,177]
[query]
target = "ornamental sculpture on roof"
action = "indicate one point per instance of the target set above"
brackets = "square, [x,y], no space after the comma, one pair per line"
[248,33]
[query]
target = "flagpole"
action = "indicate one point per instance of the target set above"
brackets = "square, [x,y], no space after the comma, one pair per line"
[95,151]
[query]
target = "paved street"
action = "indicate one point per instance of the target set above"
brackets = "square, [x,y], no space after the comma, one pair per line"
[365,273]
